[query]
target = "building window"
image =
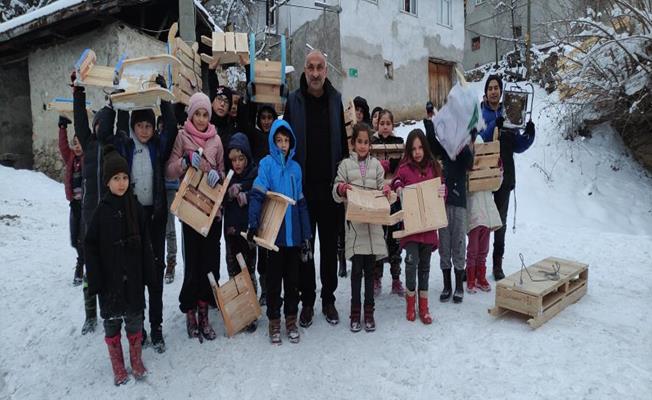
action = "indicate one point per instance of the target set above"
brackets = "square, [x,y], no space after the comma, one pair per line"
[445,13]
[518,31]
[389,70]
[475,43]
[409,6]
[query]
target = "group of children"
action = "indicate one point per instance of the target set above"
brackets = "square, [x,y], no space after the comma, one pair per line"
[118,222]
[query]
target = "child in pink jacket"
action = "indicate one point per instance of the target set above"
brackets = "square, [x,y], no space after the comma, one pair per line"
[417,165]
[201,254]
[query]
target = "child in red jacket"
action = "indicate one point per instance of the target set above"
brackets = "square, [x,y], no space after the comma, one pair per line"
[417,165]
[73,158]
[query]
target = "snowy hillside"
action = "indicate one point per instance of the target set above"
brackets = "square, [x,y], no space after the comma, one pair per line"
[596,209]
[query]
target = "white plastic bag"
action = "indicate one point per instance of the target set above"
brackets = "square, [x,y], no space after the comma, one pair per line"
[456,119]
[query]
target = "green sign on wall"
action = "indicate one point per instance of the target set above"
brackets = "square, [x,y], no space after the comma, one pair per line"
[353,72]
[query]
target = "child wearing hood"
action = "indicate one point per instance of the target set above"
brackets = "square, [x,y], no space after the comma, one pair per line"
[278,172]
[236,207]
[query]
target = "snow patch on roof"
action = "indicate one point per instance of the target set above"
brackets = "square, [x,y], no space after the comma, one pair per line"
[36,14]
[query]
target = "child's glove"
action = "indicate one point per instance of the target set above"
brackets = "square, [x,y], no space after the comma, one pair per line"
[306,251]
[441,191]
[213,178]
[342,188]
[160,81]
[500,121]
[242,199]
[387,191]
[529,129]
[195,160]
[184,163]
[250,237]
[234,190]
[63,122]
[73,79]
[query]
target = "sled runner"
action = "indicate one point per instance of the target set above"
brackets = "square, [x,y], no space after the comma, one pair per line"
[423,209]
[64,107]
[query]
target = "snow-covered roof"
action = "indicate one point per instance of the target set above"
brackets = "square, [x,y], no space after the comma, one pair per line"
[38,13]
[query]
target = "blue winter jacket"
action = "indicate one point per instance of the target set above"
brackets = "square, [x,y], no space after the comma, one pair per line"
[281,175]
[236,217]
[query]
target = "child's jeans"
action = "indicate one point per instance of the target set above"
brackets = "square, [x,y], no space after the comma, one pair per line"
[360,263]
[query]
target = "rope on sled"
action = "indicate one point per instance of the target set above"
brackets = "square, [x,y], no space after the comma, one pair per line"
[548,276]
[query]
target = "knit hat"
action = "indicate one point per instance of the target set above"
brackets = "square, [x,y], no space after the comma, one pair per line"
[197,101]
[430,107]
[493,78]
[113,163]
[142,115]
[226,92]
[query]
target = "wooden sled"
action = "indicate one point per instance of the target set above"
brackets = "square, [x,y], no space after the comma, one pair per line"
[144,99]
[236,299]
[423,209]
[486,173]
[371,207]
[271,219]
[196,203]
[186,77]
[542,298]
[227,47]
[266,78]
[91,74]
[64,107]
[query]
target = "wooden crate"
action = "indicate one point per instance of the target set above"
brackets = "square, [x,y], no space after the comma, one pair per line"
[185,76]
[271,219]
[542,299]
[423,209]
[486,173]
[267,79]
[236,299]
[387,152]
[196,203]
[350,119]
[371,207]
[227,48]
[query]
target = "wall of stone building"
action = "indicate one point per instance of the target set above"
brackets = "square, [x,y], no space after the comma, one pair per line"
[49,77]
[15,116]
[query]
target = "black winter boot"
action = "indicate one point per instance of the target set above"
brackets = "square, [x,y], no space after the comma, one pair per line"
[458,295]
[446,293]
[498,268]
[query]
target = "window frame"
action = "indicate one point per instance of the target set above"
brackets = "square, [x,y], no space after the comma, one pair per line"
[440,14]
[412,3]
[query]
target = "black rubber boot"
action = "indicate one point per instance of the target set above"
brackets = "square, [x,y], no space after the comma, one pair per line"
[446,293]
[498,268]
[458,295]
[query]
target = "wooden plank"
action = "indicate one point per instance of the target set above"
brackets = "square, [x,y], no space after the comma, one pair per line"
[143,99]
[242,44]
[272,215]
[487,148]
[574,297]
[485,173]
[267,69]
[228,291]
[207,41]
[517,301]
[229,42]
[486,161]
[370,207]
[185,48]
[486,184]
[219,42]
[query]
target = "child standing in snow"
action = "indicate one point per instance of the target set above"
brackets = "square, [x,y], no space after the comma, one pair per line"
[278,172]
[385,135]
[236,208]
[452,238]
[417,165]
[73,157]
[200,254]
[364,242]
[119,262]
[483,218]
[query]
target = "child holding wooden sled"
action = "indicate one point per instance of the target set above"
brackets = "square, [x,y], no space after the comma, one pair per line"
[119,262]
[364,242]
[278,172]
[73,157]
[483,218]
[417,165]
[385,135]
[201,254]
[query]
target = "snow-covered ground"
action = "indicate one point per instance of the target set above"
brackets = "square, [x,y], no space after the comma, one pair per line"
[596,209]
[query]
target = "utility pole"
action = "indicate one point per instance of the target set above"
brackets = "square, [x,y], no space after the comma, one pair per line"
[187,20]
[528,40]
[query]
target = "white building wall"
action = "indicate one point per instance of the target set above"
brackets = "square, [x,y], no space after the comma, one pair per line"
[49,76]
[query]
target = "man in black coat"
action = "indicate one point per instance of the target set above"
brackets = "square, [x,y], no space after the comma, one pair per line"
[315,113]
